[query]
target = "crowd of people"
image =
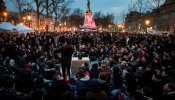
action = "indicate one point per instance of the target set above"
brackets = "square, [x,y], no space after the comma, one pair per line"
[129,66]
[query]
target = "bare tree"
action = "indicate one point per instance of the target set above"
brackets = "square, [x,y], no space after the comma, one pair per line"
[122,16]
[138,8]
[154,4]
[103,20]
[47,4]
[2,9]
[60,9]
[76,17]
[14,17]
[98,18]
[132,6]
[2,6]
[147,5]
[141,6]
[20,5]
[38,11]
[55,8]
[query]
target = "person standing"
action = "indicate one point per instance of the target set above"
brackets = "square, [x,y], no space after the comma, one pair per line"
[66,56]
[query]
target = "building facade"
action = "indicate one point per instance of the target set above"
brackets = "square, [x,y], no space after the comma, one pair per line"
[29,19]
[161,20]
[167,17]
[133,22]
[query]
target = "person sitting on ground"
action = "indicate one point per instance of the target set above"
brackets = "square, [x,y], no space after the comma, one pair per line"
[82,84]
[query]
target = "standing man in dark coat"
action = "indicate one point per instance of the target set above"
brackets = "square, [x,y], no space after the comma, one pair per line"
[66,55]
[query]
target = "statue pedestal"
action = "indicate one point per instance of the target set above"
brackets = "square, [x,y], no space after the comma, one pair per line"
[89,23]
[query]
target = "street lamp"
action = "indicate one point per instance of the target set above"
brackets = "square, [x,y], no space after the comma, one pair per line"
[5,14]
[65,26]
[109,26]
[147,23]
[120,27]
[29,18]
[24,20]
[60,27]
[123,28]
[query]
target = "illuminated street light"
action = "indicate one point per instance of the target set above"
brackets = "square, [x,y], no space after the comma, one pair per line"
[60,27]
[109,26]
[24,18]
[147,23]
[29,18]
[121,27]
[5,14]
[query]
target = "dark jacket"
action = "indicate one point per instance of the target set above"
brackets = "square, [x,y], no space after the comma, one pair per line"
[66,53]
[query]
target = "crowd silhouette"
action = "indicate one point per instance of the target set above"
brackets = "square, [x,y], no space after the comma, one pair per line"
[128,66]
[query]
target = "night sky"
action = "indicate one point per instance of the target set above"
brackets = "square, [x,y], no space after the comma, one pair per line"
[106,6]
[114,6]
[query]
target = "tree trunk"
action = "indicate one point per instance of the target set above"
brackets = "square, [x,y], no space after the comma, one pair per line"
[55,22]
[37,15]
[47,15]
[54,25]
[37,18]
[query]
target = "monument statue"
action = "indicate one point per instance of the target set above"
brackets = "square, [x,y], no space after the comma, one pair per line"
[89,23]
[88,7]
